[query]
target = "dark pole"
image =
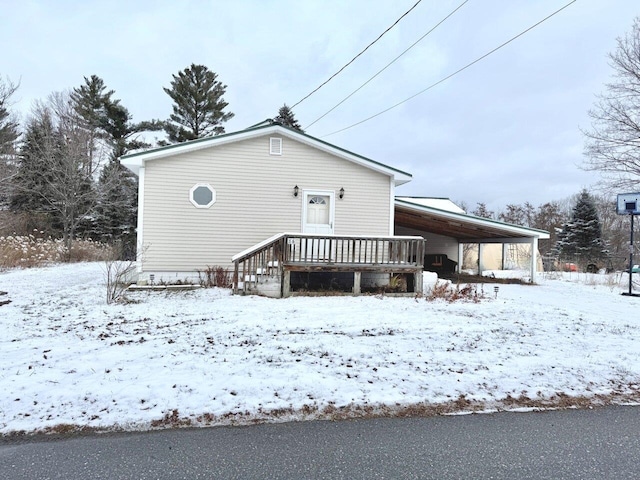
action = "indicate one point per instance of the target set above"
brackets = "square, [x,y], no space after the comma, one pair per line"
[631,256]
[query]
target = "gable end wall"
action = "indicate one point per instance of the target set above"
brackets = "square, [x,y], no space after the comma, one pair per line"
[254,200]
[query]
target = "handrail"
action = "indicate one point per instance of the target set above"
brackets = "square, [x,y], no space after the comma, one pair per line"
[270,258]
[243,255]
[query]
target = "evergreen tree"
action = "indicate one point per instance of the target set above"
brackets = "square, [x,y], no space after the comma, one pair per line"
[90,102]
[8,137]
[581,237]
[8,125]
[286,118]
[41,145]
[117,209]
[198,106]
[110,123]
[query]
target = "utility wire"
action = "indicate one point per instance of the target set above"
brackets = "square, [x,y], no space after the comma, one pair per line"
[451,75]
[386,66]
[354,58]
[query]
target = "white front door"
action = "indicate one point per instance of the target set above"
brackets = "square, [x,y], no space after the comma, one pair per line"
[317,217]
[318,214]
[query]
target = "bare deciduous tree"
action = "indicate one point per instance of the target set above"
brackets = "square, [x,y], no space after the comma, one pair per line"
[613,142]
[64,186]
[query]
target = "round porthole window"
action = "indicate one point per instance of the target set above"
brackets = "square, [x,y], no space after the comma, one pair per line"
[202,195]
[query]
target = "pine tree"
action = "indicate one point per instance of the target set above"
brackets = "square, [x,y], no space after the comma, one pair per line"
[30,178]
[286,118]
[90,102]
[8,137]
[8,125]
[198,108]
[110,123]
[581,237]
[116,209]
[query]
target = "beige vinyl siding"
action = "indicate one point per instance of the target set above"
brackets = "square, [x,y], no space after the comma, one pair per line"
[254,200]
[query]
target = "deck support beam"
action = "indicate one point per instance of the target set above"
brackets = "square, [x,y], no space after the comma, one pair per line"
[286,283]
[417,282]
[357,277]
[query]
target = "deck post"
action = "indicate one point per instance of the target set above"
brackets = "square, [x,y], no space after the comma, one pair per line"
[286,283]
[235,278]
[357,276]
[417,282]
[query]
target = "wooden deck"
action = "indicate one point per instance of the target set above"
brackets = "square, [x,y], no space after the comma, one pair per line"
[273,261]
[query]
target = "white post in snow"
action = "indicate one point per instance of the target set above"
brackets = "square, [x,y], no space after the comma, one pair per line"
[505,254]
[480,263]
[460,256]
[534,259]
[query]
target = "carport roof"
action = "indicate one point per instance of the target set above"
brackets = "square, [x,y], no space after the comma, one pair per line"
[460,226]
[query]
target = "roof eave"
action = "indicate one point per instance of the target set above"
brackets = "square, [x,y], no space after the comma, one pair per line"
[135,161]
[507,227]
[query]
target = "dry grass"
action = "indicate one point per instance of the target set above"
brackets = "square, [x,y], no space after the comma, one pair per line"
[447,292]
[27,251]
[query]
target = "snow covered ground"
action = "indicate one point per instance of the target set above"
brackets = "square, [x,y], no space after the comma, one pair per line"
[206,357]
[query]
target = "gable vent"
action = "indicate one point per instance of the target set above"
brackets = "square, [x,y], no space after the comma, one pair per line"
[275,146]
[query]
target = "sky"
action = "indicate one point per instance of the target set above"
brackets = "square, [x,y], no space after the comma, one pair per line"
[506,130]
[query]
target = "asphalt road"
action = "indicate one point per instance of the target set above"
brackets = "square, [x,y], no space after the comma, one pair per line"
[599,443]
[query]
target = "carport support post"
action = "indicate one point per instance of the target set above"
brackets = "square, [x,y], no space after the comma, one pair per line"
[505,254]
[480,263]
[460,256]
[534,259]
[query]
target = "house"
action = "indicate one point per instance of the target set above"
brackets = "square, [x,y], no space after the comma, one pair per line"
[283,210]
[201,203]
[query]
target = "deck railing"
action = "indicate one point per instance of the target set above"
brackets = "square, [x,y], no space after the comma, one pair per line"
[267,261]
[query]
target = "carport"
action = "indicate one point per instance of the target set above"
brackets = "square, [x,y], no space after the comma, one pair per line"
[447,228]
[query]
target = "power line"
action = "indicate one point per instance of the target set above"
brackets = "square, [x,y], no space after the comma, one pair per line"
[451,75]
[354,58]
[386,66]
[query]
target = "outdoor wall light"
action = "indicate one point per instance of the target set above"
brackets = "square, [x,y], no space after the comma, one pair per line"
[341,193]
[295,191]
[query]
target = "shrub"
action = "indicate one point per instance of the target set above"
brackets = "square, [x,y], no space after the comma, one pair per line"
[215,277]
[445,291]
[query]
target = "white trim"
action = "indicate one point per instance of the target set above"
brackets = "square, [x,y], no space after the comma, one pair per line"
[140,226]
[202,185]
[332,206]
[135,161]
[392,206]
[275,146]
